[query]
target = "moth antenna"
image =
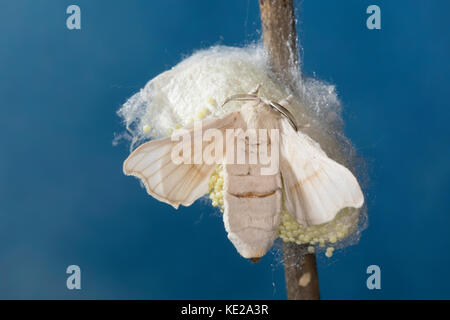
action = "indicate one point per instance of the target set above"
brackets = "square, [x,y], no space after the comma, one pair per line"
[285,112]
[240,97]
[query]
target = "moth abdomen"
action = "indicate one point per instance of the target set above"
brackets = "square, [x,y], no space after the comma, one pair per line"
[252,207]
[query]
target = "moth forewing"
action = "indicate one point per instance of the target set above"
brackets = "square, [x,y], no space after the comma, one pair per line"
[316,187]
[168,180]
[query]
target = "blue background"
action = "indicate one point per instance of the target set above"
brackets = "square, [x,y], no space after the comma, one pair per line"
[64,199]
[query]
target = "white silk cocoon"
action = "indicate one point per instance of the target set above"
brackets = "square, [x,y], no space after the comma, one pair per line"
[197,86]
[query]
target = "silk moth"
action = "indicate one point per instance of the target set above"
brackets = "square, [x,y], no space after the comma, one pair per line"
[314,187]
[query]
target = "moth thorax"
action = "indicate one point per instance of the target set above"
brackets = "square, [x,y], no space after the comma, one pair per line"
[259,115]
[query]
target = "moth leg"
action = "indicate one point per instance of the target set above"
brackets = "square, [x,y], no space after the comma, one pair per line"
[287,101]
[241,97]
[256,90]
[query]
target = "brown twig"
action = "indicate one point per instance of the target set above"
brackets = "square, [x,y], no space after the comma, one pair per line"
[280,43]
[280,38]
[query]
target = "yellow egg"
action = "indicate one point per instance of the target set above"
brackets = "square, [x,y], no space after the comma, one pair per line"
[203,113]
[212,101]
[329,252]
[146,128]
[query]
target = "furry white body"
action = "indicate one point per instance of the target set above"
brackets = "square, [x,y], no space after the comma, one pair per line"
[252,201]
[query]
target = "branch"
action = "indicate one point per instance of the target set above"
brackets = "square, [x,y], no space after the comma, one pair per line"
[280,43]
[280,38]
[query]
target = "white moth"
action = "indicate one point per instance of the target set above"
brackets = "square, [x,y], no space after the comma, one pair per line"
[315,187]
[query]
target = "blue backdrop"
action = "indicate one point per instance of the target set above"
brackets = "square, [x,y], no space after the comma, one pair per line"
[64,199]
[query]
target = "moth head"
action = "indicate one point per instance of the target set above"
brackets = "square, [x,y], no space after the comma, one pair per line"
[253,96]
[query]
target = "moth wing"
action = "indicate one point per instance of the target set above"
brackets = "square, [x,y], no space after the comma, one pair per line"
[316,187]
[168,181]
